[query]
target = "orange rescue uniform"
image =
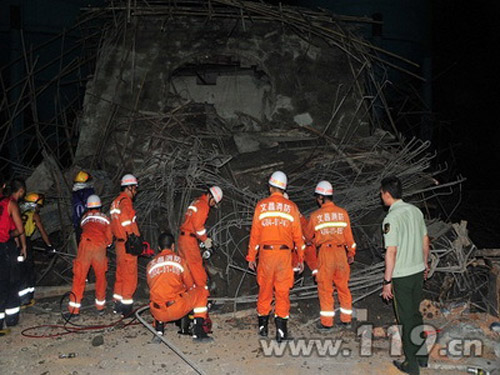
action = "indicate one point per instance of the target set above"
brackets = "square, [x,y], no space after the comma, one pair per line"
[123,223]
[275,232]
[192,230]
[332,236]
[95,238]
[173,293]
[309,252]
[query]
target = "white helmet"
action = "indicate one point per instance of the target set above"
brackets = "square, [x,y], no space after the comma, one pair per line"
[324,188]
[93,201]
[128,180]
[278,179]
[216,193]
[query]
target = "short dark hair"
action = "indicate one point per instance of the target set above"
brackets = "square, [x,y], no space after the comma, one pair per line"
[393,186]
[17,184]
[165,241]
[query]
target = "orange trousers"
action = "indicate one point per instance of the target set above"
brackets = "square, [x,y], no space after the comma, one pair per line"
[194,299]
[309,258]
[333,269]
[274,276]
[88,256]
[190,251]
[125,276]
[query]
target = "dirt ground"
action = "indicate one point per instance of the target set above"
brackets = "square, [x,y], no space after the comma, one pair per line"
[130,349]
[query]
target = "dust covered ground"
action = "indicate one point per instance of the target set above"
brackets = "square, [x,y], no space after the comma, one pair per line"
[129,349]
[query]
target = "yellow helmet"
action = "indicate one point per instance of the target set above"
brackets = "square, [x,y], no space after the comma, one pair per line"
[82,176]
[35,198]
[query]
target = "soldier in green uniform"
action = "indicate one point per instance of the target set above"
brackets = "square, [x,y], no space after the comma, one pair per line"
[407,250]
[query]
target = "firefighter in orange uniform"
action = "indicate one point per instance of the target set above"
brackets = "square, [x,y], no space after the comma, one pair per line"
[275,233]
[331,234]
[193,230]
[173,293]
[123,225]
[309,252]
[95,238]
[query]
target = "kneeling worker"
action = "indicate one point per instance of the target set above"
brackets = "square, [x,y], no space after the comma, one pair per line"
[173,293]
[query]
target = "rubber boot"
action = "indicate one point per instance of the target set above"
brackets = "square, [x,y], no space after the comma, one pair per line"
[281,329]
[12,320]
[184,326]
[199,333]
[264,325]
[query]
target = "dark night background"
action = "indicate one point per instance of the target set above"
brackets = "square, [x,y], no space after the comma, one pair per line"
[460,38]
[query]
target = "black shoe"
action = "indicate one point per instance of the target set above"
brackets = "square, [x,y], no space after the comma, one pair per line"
[405,367]
[126,310]
[346,325]
[71,317]
[117,307]
[281,329]
[199,333]
[423,361]
[12,320]
[159,327]
[263,325]
[320,327]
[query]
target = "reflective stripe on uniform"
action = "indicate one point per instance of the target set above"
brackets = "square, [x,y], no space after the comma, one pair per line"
[353,246]
[194,208]
[199,310]
[99,218]
[314,272]
[12,311]
[23,292]
[115,211]
[345,311]
[276,214]
[100,303]
[331,224]
[126,222]
[201,232]
[117,296]
[74,304]
[166,263]
[2,315]
[127,301]
[327,313]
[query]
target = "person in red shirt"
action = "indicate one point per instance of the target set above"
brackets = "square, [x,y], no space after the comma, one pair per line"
[193,230]
[275,232]
[331,233]
[123,226]
[95,237]
[173,293]
[11,226]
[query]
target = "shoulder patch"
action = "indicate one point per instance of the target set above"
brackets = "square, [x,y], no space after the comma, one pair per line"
[387,228]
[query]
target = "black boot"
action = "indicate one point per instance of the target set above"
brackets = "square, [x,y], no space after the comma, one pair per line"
[160,327]
[184,325]
[12,320]
[263,325]
[199,333]
[281,329]
[127,309]
[117,307]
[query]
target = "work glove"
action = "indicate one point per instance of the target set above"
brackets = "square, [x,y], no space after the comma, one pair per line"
[208,243]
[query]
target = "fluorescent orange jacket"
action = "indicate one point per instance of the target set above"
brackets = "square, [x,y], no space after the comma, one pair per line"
[168,276]
[276,221]
[123,218]
[195,218]
[96,227]
[331,223]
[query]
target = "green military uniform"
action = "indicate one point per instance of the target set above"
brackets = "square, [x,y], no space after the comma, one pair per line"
[404,227]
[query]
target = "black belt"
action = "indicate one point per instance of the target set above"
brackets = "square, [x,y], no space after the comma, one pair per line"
[188,234]
[328,245]
[271,247]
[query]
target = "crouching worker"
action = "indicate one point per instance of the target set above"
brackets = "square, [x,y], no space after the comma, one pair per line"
[95,238]
[173,293]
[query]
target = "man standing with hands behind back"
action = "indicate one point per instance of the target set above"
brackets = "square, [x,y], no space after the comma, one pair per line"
[407,251]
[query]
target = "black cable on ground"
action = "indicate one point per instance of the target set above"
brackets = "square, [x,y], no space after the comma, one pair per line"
[69,327]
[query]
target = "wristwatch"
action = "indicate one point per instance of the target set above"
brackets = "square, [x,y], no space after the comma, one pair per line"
[386,282]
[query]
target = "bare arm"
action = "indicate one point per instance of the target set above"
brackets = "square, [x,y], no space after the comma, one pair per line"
[426,249]
[41,228]
[390,261]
